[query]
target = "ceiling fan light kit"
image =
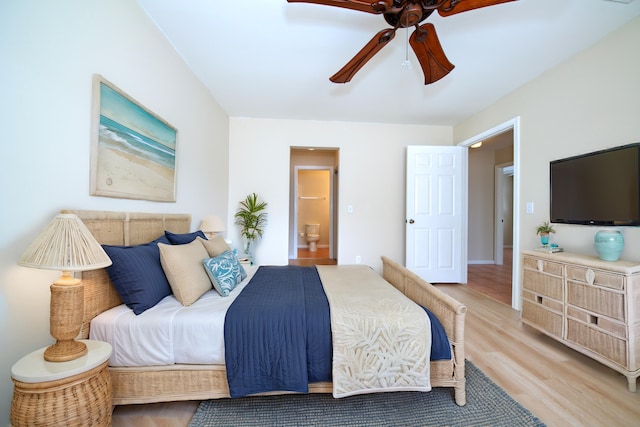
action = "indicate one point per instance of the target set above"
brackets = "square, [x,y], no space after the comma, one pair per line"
[404,14]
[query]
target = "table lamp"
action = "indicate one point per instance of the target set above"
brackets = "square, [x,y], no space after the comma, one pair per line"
[67,245]
[211,225]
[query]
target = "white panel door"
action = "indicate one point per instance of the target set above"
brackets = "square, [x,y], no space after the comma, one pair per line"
[436,220]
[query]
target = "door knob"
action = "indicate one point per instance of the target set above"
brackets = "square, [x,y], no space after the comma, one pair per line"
[411,221]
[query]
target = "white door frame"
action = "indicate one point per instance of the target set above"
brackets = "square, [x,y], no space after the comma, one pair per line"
[516,287]
[331,170]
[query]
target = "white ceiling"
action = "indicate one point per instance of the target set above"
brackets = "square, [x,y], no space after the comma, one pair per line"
[273,59]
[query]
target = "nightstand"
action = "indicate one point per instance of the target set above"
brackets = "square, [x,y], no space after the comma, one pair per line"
[73,393]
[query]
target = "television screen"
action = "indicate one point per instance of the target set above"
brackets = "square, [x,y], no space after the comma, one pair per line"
[600,188]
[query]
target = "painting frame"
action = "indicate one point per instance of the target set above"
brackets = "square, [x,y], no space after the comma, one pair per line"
[133,150]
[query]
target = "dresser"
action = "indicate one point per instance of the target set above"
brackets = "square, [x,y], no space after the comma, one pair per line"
[590,305]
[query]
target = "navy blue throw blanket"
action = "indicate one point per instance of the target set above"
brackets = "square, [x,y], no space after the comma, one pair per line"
[277,333]
[440,348]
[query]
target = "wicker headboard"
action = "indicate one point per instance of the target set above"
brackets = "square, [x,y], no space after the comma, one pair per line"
[126,229]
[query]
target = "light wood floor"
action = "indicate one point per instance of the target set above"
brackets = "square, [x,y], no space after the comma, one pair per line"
[557,384]
[318,257]
[493,280]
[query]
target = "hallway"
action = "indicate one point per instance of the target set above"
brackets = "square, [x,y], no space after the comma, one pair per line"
[493,280]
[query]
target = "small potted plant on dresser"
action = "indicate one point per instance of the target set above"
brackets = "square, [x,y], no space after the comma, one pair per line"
[543,231]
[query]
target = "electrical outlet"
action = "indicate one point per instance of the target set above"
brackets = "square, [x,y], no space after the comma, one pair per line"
[358,259]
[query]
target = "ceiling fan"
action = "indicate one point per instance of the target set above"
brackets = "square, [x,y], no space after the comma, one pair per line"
[403,14]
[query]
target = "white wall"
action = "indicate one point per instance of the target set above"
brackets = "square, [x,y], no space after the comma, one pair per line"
[588,103]
[372,180]
[481,206]
[49,52]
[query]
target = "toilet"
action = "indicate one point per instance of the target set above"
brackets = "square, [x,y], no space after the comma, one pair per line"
[312,234]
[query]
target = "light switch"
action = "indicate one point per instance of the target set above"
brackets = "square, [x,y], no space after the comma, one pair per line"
[529,207]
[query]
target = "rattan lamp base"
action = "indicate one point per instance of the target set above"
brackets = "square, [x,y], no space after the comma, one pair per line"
[67,305]
[63,351]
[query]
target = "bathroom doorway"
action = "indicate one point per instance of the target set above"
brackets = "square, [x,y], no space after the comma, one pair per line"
[312,219]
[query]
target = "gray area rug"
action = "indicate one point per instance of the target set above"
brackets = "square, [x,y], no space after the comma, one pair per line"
[487,405]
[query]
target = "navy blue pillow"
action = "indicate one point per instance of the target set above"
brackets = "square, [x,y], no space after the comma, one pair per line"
[137,274]
[183,239]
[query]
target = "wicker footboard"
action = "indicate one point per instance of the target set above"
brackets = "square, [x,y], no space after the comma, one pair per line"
[447,309]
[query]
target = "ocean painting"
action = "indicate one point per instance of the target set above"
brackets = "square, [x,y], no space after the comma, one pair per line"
[133,150]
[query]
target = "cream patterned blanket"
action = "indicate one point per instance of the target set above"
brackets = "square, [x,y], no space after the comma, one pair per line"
[381,339]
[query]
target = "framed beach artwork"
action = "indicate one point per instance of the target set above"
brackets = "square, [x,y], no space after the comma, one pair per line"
[133,151]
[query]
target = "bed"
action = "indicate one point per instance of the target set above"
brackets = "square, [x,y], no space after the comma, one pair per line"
[174,382]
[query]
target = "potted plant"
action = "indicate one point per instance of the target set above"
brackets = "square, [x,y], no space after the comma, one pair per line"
[543,231]
[252,218]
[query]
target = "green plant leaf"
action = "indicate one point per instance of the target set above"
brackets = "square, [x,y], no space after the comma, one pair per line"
[251,217]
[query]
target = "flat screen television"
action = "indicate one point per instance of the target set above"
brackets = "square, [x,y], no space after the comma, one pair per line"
[599,188]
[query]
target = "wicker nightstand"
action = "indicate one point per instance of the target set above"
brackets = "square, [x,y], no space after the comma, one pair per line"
[74,393]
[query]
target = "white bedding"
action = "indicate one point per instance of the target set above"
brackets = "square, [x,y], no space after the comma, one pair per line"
[168,333]
[381,339]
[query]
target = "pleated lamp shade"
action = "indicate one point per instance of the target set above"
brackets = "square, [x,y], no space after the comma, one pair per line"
[66,245]
[212,224]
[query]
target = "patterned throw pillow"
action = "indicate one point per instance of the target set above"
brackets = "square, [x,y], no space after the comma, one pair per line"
[225,272]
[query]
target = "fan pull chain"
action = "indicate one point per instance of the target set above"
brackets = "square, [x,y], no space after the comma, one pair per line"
[406,63]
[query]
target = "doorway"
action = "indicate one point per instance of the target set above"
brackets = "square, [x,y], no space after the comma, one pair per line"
[487,260]
[313,206]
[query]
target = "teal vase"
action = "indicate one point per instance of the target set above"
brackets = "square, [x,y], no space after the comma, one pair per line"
[609,244]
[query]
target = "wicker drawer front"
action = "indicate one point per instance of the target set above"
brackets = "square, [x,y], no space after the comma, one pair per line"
[597,300]
[543,266]
[595,277]
[543,301]
[542,318]
[607,325]
[543,284]
[608,346]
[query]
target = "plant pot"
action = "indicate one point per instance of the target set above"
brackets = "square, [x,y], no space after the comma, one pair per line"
[608,244]
[544,239]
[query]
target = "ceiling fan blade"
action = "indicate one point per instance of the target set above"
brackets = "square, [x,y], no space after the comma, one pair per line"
[451,7]
[369,6]
[378,41]
[428,49]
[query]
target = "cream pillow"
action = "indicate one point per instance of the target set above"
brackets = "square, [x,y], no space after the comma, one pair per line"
[182,264]
[214,246]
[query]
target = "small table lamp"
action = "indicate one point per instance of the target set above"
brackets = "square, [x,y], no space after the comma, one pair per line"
[67,245]
[211,225]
